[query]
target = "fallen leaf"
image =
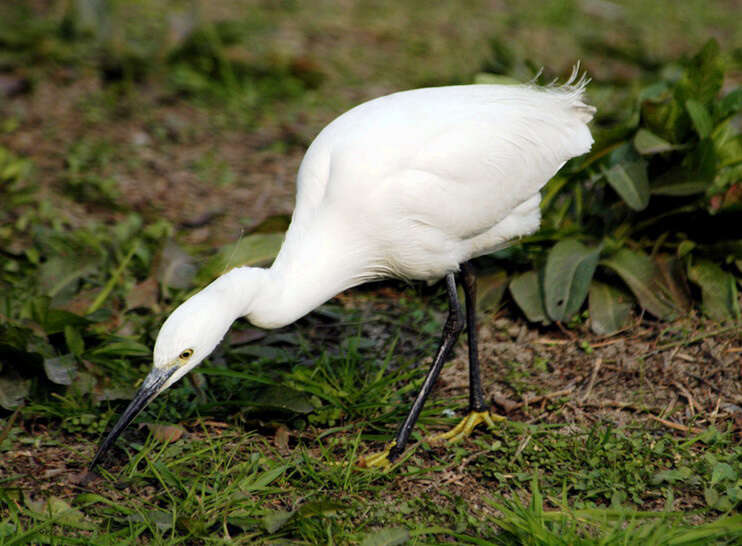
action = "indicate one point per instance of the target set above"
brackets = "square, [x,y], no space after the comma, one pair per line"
[391,536]
[144,296]
[83,478]
[166,433]
[281,438]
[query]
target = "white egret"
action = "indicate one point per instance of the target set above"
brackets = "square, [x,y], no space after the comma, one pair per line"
[411,185]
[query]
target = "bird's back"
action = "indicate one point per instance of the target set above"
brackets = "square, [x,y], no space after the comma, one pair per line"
[429,178]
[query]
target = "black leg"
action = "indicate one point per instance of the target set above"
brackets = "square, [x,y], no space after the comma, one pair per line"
[469,283]
[451,330]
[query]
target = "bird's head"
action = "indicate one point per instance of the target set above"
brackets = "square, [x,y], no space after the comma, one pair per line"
[186,338]
[190,334]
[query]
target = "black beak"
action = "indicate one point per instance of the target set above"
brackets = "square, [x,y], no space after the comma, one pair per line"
[147,392]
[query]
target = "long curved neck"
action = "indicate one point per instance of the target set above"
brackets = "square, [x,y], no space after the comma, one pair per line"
[314,265]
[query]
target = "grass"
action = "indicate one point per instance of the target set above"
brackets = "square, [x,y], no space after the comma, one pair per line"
[294,477]
[122,167]
[222,483]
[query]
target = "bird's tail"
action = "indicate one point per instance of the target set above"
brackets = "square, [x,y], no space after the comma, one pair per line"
[573,91]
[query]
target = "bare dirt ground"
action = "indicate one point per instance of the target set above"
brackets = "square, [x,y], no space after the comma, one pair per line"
[155,176]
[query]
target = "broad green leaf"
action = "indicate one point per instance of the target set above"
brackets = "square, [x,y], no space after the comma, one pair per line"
[58,273]
[711,496]
[258,249]
[728,148]
[122,347]
[282,398]
[490,289]
[610,308]
[723,472]
[672,275]
[84,383]
[702,122]
[160,518]
[729,105]
[74,340]
[56,510]
[278,223]
[569,269]
[61,369]
[65,514]
[8,529]
[665,117]
[679,187]
[630,181]
[526,291]
[671,476]
[264,479]
[167,475]
[701,162]
[13,390]
[647,143]
[643,278]
[321,508]
[685,248]
[655,91]
[718,290]
[705,75]
[391,536]
[55,320]
[273,521]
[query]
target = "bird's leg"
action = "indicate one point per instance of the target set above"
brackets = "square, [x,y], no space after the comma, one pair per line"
[451,330]
[469,283]
[478,409]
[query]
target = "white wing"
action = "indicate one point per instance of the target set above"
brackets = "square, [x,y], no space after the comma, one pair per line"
[428,170]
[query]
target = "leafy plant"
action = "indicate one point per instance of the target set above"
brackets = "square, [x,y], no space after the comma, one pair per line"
[656,204]
[531,523]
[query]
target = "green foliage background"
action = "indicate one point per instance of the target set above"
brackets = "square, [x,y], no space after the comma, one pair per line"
[656,203]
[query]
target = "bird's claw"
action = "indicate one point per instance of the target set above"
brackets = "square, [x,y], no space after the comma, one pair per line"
[466,426]
[377,460]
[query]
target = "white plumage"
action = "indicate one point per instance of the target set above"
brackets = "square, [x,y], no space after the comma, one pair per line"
[409,185]
[413,184]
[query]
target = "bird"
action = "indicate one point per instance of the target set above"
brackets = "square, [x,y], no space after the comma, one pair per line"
[412,185]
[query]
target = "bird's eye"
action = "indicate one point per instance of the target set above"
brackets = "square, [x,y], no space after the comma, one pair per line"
[186,354]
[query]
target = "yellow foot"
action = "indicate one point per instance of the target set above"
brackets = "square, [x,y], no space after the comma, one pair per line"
[377,460]
[466,426]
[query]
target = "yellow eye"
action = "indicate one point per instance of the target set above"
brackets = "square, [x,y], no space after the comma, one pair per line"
[185,355]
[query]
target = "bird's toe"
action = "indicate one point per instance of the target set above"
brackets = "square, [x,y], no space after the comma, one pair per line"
[466,426]
[378,460]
